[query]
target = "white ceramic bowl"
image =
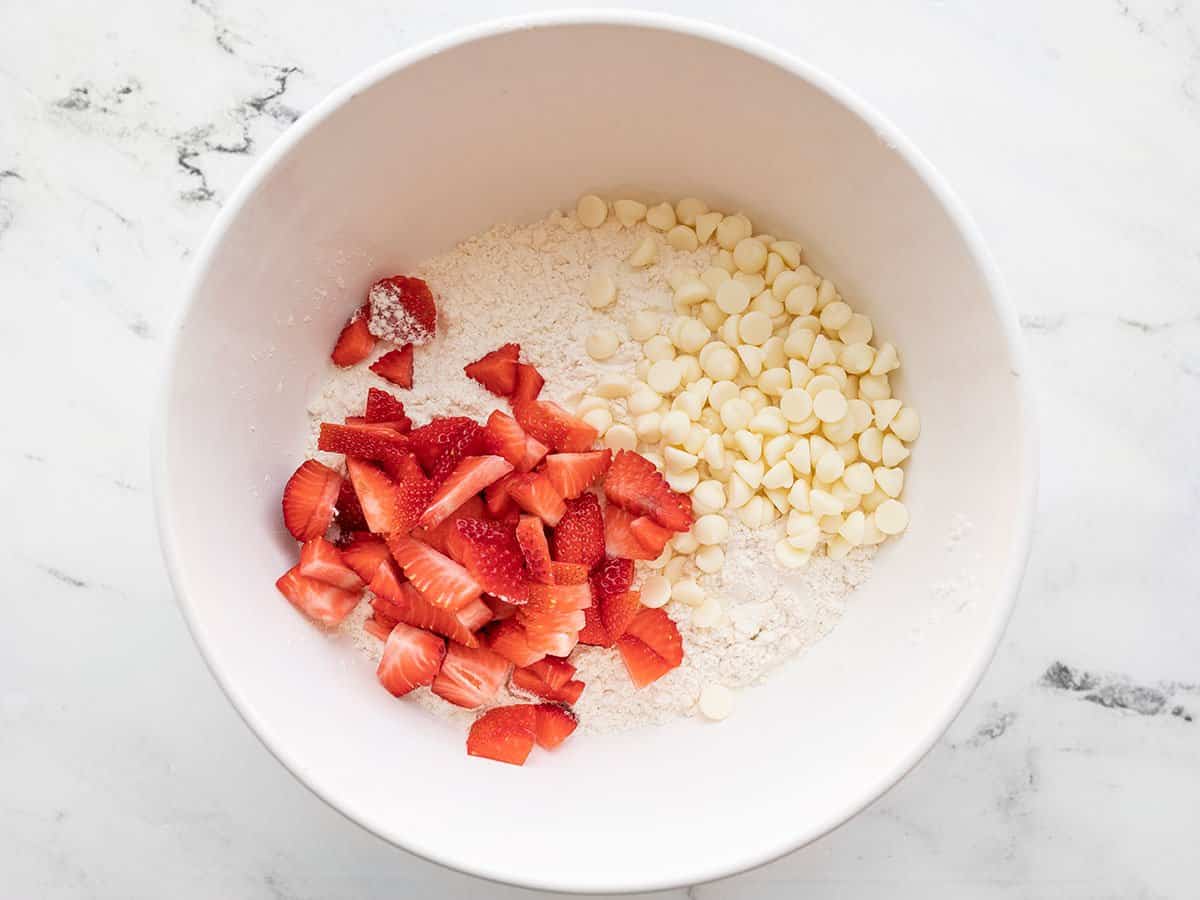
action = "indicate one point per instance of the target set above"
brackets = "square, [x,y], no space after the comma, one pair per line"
[501,123]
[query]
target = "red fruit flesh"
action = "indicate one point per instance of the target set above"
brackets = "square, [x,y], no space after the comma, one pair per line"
[377,496]
[593,631]
[553,724]
[308,500]
[509,639]
[364,554]
[323,561]
[579,535]
[505,734]
[535,451]
[355,342]
[534,494]
[633,484]
[380,443]
[411,658]
[614,575]
[319,601]
[650,534]
[497,371]
[568,573]
[550,678]
[650,647]
[379,627]
[383,407]
[441,580]
[505,437]
[396,366]
[496,499]
[618,610]
[400,601]
[414,493]
[470,677]
[347,511]
[554,426]
[531,538]
[475,614]
[404,308]
[573,473]
[469,477]
[444,535]
[619,539]
[529,384]
[554,672]
[490,552]
[450,434]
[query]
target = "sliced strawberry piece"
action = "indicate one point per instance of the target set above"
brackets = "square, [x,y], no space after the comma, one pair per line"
[531,538]
[549,598]
[379,626]
[491,554]
[579,535]
[469,477]
[553,724]
[501,609]
[475,614]
[382,407]
[554,643]
[497,371]
[533,493]
[650,534]
[496,499]
[411,658]
[593,631]
[650,647]
[573,473]
[509,639]
[568,573]
[396,366]
[375,442]
[634,484]
[308,500]
[441,537]
[319,601]
[364,553]
[505,734]
[529,384]
[530,681]
[414,492]
[535,451]
[470,677]
[441,580]
[348,512]
[402,310]
[618,610]
[619,539]
[400,601]
[554,672]
[377,495]
[355,342]
[614,575]
[505,437]
[323,561]
[430,441]
[554,426]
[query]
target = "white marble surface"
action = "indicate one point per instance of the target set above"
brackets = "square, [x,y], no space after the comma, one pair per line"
[1071,130]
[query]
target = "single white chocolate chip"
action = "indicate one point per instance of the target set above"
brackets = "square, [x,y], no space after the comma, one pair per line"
[664,376]
[591,211]
[749,255]
[706,225]
[687,592]
[830,405]
[644,325]
[683,482]
[891,517]
[859,478]
[648,428]
[643,400]
[732,297]
[685,542]
[679,460]
[683,238]
[612,387]
[629,212]
[736,413]
[711,529]
[708,497]
[885,411]
[675,569]
[894,452]
[755,328]
[620,437]
[858,330]
[752,359]
[656,591]
[790,557]
[658,348]
[870,445]
[600,419]
[646,253]
[733,229]
[890,481]
[874,387]
[906,425]
[721,364]
[886,360]
[689,209]
[602,344]
[661,217]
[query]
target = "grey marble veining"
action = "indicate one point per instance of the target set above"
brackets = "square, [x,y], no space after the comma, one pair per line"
[1071,130]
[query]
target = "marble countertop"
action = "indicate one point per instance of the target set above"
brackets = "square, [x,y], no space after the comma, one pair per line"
[1072,132]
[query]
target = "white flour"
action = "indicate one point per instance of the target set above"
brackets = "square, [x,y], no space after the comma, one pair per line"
[526,284]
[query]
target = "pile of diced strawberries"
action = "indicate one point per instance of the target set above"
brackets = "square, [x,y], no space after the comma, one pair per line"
[487,549]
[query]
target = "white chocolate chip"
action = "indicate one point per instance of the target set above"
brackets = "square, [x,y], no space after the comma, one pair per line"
[661,217]
[749,255]
[687,592]
[683,238]
[644,325]
[620,437]
[732,297]
[600,419]
[601,290]
[890,481]
[894,452]
[886,360]
[790,557]
[656,591]
[709,559]
[645,255]
[830,405]
[891,517]
[708,497]
[683,482]
[602,344]
[733,229]
[591,211]
[629,212]
[706,225]
[906,424]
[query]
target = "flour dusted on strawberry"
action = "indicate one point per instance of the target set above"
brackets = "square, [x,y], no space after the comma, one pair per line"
[402,311]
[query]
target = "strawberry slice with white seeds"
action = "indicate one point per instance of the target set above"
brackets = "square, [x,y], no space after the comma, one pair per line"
[470,678]
[508,638]
[403,310]
[400,601]
[497,371]
[396,366]
[364,554]
[505,734]
[619,539]
[323,561]
[505,437]
[573,473]
[469,477]
[355,342]
[411,658]
[309,498]
[534,493]
[319,601]
[376,495]
[535,451]
[441,580]
[554,426]
[491,554]
[553,724]
[531,537]
[650,647]
[633,483]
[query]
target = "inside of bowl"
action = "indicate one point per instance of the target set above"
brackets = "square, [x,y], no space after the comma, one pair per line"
[503,129]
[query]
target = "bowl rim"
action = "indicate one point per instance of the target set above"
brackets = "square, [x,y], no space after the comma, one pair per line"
[702,871]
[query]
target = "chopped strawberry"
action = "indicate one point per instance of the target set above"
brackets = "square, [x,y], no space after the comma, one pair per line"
[347,512]
[505,437]
[634,484]
[475,614]
[501,609]
[535,450]
[355,342]
[614,575]
[491,554]
[593,631]
[555,672]
[529,384]
[308,500]
[568,573]
[553,724]
[496,499]
[650,534]
[378,626]
[554,643]
[619,539]
[377,495]
[579,535]
[441,537]
[401,601]
[451,434]
[552,597]
[469,477]
[618,610]
[650,647]
[441,580]
[414,493]
[550,678]
[396,366]
[470,677]
[319,601]
[534,494]
[531,537]
[364,554]
[505,734]
[554,426]
[375,442]
[411,658]
[321,560]
[383,407]
[508,638]
[573,473]
[497,371]
[403,309]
